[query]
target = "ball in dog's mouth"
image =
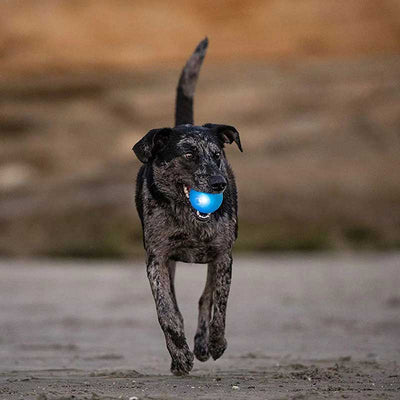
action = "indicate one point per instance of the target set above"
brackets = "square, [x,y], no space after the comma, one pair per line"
[203,203]
[200,215]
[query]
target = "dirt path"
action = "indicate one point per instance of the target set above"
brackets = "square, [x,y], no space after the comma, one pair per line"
[298,328]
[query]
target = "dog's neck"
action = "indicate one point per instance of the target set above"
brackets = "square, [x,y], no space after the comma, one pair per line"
[156,194]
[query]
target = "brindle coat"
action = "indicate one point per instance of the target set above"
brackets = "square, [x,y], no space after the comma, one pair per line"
[175,160]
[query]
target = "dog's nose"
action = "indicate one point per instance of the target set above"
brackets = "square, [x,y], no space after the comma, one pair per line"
[218,183]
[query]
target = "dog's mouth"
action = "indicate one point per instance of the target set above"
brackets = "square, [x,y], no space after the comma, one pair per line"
[199,215]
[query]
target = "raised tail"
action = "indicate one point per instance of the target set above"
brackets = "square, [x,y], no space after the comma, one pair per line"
[187,85]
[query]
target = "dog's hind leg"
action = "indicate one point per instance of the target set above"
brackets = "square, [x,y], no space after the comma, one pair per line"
[168,316]
[223,274]
[205,309]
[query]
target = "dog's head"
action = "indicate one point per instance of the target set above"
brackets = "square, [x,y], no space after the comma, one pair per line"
[187,157]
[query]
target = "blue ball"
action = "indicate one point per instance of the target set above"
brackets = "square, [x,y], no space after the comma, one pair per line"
[205,202]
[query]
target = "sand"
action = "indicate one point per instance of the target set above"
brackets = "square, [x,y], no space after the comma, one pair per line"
[299,327]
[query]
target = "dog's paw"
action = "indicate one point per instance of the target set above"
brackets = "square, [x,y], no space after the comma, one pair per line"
[217,347]
[201,348]
[182,362]
[217,343]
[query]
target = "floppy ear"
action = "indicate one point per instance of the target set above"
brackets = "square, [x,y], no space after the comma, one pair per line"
[226,133]
[151,143]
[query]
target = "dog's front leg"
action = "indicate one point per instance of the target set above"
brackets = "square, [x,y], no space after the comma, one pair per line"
[205,310]
[169,316]
[217,342]
[172,268]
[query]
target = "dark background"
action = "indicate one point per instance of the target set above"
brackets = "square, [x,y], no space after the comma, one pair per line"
[313,87]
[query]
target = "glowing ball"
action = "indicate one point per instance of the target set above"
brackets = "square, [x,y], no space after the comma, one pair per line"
[205,202]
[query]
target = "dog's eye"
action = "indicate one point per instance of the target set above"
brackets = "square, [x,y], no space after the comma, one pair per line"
[217,155]
[188,156]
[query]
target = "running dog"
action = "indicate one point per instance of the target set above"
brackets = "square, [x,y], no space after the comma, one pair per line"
[174,161]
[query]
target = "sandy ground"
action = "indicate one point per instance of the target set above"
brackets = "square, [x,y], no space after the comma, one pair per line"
[299,327]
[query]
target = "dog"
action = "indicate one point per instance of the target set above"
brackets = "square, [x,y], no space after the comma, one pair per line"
[176,160]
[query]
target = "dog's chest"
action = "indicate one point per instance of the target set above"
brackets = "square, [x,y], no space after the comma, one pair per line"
[190,241]
[195,246]
[187,241]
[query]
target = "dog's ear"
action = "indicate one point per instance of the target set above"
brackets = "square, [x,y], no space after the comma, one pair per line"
[151,143]
[226,133]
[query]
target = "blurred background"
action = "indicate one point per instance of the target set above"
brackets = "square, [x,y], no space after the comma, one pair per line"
[312,86]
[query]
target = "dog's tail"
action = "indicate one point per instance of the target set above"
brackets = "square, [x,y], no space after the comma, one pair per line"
[187,85]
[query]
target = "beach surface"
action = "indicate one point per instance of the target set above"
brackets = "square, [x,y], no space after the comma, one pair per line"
[299,327]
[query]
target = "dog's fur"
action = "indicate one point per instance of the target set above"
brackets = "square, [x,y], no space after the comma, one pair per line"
[176,159]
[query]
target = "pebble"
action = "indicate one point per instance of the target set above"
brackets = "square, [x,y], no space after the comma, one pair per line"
[234,387]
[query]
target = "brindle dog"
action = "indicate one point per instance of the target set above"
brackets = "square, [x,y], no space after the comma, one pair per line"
[175,160]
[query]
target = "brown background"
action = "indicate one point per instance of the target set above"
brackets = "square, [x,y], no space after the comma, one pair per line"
[313,87]
[60,35]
